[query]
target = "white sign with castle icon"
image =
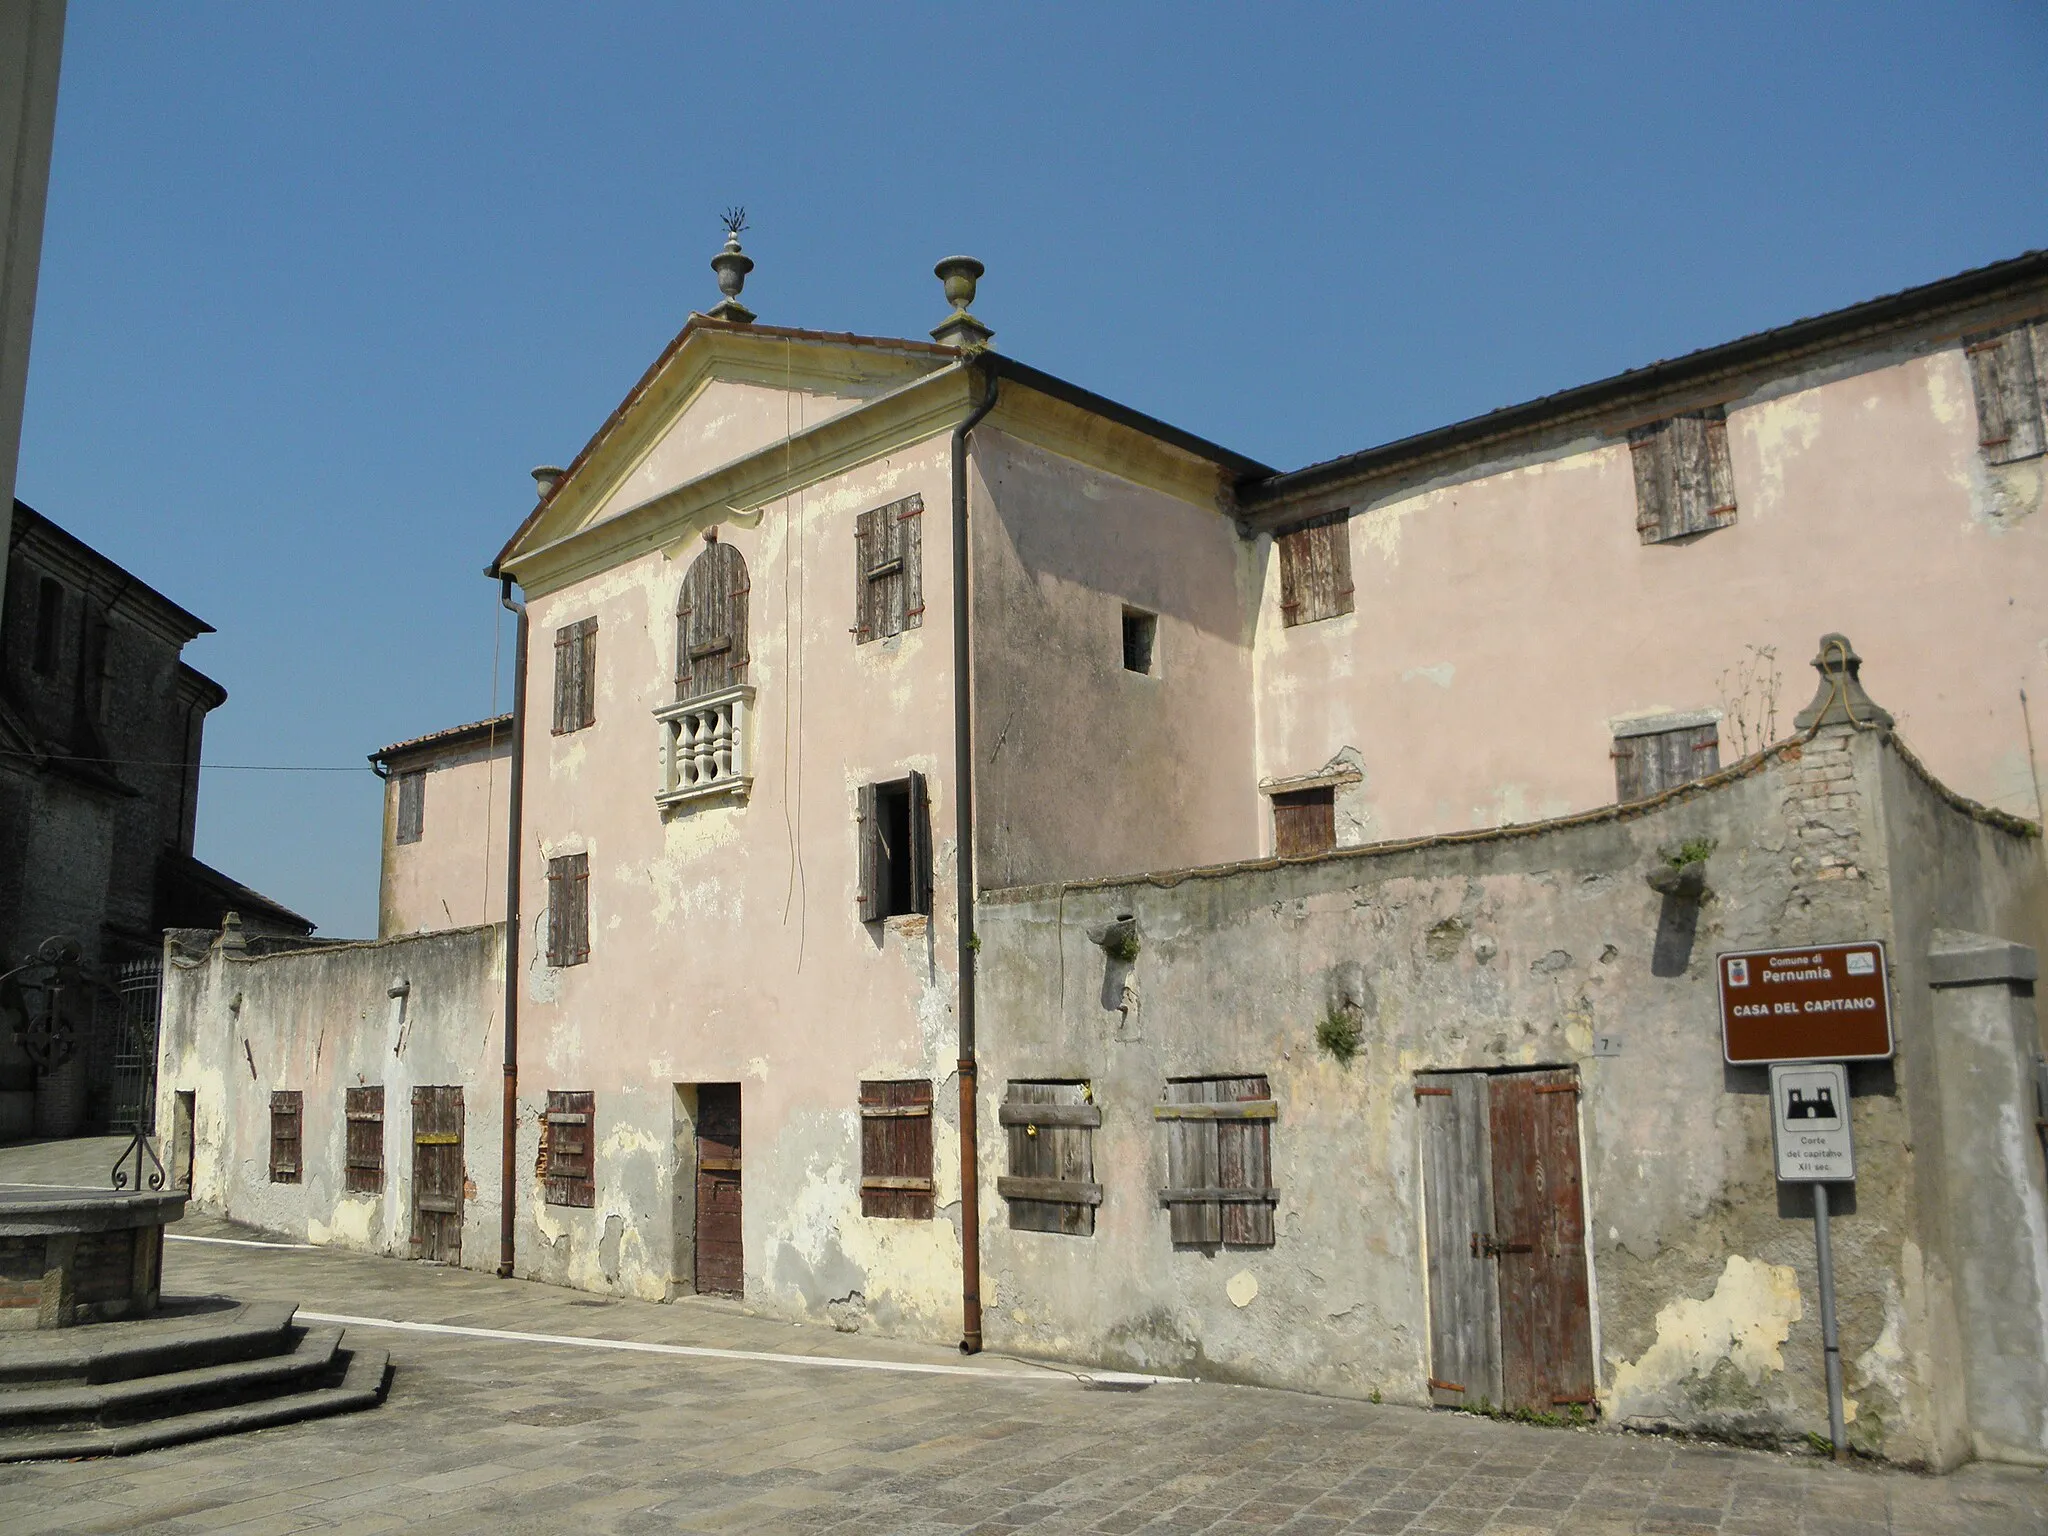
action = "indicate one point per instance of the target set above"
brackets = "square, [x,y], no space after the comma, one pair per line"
[1810,1122]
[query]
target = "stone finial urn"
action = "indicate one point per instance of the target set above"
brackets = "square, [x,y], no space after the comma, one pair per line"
[732,266]
[961,329]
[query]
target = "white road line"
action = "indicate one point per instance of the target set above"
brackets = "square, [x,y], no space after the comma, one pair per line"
[767,1357]
[235,1242]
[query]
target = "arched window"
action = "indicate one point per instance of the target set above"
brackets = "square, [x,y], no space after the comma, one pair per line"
[711,622]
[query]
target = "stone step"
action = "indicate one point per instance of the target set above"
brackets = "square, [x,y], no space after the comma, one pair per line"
[361,1386]
[184,1335]
[38,1410]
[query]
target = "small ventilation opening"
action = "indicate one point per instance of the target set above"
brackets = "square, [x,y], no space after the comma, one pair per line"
[1141,629]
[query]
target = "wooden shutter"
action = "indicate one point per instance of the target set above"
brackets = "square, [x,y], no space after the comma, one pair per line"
[1654,761]
[575,676]
[920,846]
[568,1163]
[2005,372]
[910,548]
[1685,479]
[1219,1161]
[1304,822]
[412,805]
[869,542]
[569,909]
[287,1124]
[1050,1130]
[364,1107]
[868,833]
[1457,1199]
[896,1149]
[711,623]
[1315,569]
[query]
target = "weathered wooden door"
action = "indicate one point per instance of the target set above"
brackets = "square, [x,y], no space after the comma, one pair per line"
[1457,1197]
[437,1176]
[1539,1219]
[1510,1320]
[721,1260]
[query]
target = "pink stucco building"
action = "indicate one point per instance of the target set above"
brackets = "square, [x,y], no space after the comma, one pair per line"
[830,638]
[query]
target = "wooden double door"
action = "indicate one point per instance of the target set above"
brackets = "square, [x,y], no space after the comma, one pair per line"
[1510,1319]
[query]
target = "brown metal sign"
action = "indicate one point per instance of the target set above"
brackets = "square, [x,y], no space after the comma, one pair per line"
[1821,1002]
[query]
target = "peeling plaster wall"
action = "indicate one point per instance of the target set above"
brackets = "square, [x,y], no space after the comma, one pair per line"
[1505,615]
[454,876]
[1491,953]
[725,944]
[1086,768]
[322,1021]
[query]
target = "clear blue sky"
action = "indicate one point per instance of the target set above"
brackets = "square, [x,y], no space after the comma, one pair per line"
[320,284]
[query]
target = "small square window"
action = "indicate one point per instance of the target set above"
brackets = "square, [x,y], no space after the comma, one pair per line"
[1141,631]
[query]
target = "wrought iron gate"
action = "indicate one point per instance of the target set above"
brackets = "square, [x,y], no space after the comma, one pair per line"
[121,1061]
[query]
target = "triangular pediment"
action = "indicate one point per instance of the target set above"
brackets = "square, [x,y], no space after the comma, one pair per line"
[720,394]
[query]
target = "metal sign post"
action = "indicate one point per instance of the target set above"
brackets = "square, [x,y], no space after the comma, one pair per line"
[1810,1131]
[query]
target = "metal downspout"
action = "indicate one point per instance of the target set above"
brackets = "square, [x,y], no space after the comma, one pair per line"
[508,1168]
[963,861]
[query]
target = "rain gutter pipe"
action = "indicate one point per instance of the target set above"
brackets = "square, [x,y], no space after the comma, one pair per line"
[509,1126]
[963,864]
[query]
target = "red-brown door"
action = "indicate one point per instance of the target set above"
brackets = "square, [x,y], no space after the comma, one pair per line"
[437,1176]
[721,1260]
[1546,1332]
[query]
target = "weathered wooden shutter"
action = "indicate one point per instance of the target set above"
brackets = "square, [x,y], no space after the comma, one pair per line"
[711,623]
[1457,1198]
[412,805]
[1219,1161]
[569,1167]
[1685,479]
[1050,1130]
[586,674]
[287,1124]
[1304,822]
[1654,761]
[567,656]
[920,846]
[438,1177]
[910,549]
[1315,569]
[868,833]
[569,909]
[896,1149]
[2005,372]
[870,540]
[365,1110]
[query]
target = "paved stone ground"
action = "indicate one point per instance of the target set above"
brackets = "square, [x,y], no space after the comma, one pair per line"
[513,1435]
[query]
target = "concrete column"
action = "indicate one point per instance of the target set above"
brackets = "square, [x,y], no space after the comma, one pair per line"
[1986,1043]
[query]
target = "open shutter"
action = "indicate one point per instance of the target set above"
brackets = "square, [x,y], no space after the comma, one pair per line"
[920,846]
[1337,537]
[557,947]
[566,655]
[867,554]
[579,908]
[910,542]
[867,831]
[733,577]
[586,673]
[1290,579]
[1648,453]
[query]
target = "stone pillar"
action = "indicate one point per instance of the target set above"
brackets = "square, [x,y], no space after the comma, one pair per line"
[1986,1043]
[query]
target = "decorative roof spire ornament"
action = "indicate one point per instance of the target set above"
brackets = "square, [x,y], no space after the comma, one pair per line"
[732,266]
[1841,699]
[960,329]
